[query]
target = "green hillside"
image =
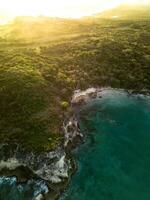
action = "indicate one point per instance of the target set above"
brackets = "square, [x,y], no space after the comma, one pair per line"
[43,60]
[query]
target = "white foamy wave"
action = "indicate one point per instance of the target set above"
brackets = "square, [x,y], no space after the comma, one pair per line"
[61,170]
[55,172]
[42,185]
[39,187]
[39,197]
[10,180]
[11,164]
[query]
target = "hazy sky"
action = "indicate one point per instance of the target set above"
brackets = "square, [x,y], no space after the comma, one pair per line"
[59,8]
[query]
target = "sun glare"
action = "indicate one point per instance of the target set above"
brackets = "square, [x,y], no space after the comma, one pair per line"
[57,8]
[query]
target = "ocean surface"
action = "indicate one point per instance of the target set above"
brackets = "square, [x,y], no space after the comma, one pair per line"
[114,159]
[10,190]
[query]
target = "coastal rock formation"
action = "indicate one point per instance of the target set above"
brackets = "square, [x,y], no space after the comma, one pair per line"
[82,97]
[71,130]
[55,166]
[50,166]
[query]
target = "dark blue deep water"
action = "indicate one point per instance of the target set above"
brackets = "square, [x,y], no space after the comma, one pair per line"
[114,161]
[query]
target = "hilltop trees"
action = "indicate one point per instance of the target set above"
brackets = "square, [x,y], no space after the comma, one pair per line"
[37,78]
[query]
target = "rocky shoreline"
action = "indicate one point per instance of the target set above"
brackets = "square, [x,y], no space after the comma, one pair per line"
[55,167]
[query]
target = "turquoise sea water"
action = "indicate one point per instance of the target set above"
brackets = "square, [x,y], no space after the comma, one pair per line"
[114,161]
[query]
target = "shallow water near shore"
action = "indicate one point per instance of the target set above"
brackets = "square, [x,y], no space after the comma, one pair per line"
[10,190]
[114,160]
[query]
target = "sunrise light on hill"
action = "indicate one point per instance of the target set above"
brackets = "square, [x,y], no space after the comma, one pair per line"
[57,8]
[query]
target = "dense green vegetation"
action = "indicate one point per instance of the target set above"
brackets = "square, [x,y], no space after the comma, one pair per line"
[43,60]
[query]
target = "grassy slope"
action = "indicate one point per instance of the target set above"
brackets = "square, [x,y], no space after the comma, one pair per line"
[39,71]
